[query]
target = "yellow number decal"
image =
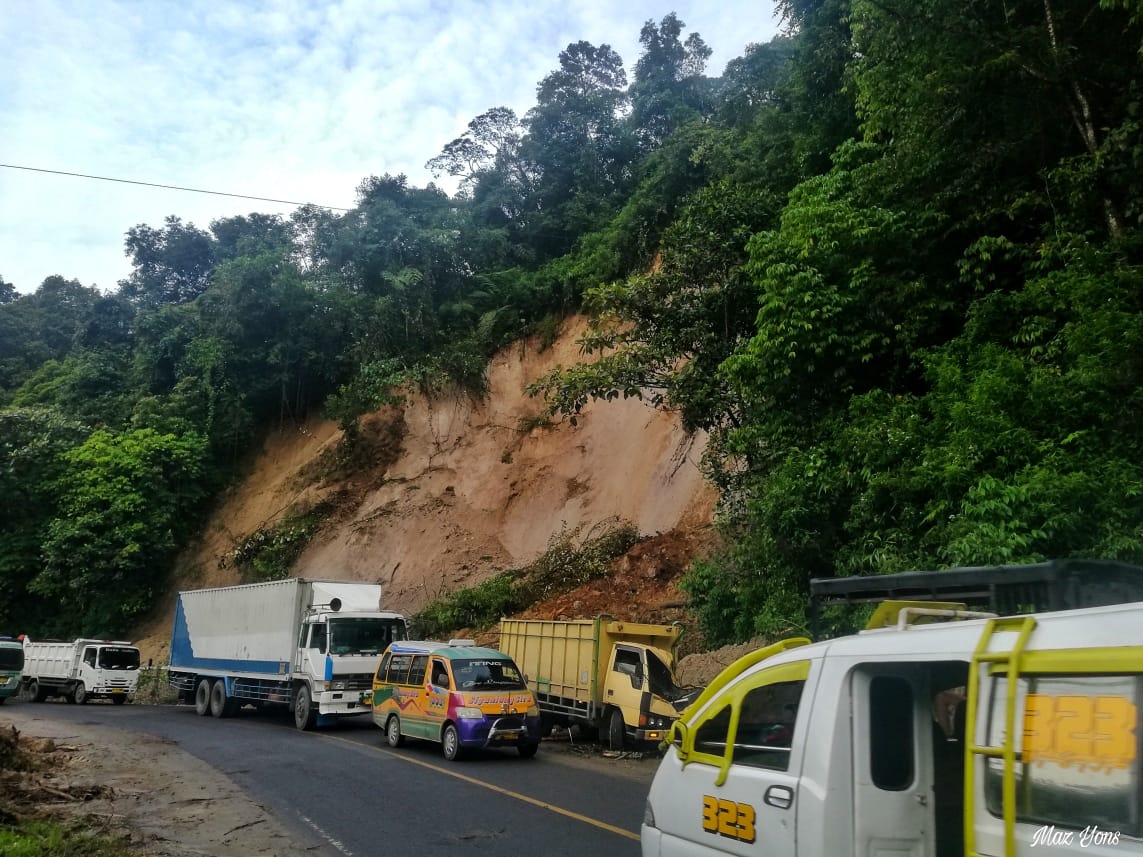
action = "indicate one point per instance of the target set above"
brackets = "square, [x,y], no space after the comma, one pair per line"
[727,818]
[709,814]
[746,822]
[1113,731]
[1073,727]
[1087,732]
[1038,712]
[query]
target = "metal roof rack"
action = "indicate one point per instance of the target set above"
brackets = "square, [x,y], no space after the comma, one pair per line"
[1059,584]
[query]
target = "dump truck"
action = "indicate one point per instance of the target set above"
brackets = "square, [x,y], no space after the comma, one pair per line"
[940,730]
[308,645]
[80,670]
[11,667]
[617,678]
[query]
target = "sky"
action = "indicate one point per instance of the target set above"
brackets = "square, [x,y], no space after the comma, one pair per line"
[294,100]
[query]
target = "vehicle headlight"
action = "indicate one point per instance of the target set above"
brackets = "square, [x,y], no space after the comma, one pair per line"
[337,685]
[533,711]
[469,712]
[648,814]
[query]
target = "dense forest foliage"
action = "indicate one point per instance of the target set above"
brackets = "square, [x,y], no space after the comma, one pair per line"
[892,261]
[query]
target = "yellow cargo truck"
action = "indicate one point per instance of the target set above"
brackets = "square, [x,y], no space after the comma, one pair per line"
[602,674]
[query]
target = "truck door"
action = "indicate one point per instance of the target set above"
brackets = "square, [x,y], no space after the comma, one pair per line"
[737,792]
[87,668]
[893,778]
[625,682]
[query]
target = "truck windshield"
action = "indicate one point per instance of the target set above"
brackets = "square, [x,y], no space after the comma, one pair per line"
[363,635]
[480,673]
[11,658]
[118,658]
[662,680]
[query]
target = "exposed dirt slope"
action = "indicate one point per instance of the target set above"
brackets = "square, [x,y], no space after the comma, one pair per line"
[452,491]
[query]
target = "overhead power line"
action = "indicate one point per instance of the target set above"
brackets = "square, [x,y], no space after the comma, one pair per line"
[167,186]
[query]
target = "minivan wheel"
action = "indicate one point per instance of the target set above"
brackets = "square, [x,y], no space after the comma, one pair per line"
[450,743]
[393,732]
[202,697]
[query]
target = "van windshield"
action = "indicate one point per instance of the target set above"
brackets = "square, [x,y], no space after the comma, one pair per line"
[11,658]
[477,673]
[118,658]
[368,635]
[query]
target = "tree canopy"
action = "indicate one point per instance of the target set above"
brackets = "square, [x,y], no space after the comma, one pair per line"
[889,260]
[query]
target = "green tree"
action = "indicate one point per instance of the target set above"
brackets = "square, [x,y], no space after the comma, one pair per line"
[172,265]
[126,501]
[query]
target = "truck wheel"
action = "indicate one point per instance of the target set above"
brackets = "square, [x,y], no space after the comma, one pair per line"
[79,695]
[547,724]
[615,730]
[304,715]
[202,697]
[450,743]
[220,704]
[393,732]
[527,751]
[35,692]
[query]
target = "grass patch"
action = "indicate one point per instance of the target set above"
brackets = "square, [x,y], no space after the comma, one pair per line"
[269,553]
[569,561]
[55,839]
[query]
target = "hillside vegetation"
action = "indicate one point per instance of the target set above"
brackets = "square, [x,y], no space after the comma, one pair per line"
[888,264]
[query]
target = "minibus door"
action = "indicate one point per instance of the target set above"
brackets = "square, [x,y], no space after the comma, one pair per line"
[892,737]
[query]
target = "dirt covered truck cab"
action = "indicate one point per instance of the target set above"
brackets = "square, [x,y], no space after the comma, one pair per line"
[11,666]
[973,736]
[458,694]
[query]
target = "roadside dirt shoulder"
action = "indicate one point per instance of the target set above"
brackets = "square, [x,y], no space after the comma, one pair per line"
[171,804]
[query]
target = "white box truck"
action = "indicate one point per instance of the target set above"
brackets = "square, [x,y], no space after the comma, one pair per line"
[80,670]
[309,645]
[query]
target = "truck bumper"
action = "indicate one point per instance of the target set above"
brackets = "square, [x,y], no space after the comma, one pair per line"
[341,703]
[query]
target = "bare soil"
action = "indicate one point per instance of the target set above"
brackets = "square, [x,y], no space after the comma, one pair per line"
[162,800]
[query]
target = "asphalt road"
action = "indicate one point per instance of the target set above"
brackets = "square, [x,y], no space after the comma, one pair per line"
[346,792]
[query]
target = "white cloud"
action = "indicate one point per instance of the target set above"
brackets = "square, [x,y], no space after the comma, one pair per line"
[296,100]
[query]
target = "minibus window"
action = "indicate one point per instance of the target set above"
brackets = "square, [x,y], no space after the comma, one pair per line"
[440,674]
[383,669]
[399,669]
[1079,741]
[891,732]
[766,725]
[711,736]
[417,671]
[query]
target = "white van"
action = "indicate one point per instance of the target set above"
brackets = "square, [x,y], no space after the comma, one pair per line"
[974,736]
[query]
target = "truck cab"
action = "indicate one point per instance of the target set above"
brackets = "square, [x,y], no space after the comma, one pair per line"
[336,656]
[937,731]
[11,666]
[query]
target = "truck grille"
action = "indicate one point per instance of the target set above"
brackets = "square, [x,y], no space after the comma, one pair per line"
[356,681]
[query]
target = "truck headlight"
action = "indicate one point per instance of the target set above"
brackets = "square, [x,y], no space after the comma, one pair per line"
[469,712]
[338,684]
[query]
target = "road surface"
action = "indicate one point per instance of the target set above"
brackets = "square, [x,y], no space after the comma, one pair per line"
[342,791]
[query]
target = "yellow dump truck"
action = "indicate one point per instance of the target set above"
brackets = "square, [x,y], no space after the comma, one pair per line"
[602,674]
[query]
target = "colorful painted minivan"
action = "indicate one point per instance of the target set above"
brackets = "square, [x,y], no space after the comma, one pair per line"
[458,694]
